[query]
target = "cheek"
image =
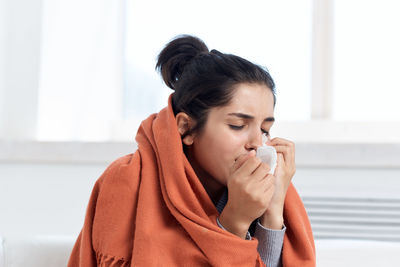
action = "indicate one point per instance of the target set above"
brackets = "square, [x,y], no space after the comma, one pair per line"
[228,146]
[222,150]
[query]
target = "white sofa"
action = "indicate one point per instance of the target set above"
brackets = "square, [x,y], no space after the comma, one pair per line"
[35,251]
[351,253]
[53,251]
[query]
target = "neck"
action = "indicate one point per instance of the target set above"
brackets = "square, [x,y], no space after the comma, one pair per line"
[213,188]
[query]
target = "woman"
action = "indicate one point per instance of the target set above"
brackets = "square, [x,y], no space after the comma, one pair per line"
[194,193]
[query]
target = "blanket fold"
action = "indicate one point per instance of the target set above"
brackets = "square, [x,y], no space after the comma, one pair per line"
[150,209]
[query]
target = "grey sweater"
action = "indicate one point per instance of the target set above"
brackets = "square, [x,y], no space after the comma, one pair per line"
[270,242]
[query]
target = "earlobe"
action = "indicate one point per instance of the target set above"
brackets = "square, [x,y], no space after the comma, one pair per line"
[188,140]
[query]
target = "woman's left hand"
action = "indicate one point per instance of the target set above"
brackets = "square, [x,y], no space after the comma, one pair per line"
[284,172]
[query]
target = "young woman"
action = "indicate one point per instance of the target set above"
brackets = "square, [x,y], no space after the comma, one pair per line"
[194,193]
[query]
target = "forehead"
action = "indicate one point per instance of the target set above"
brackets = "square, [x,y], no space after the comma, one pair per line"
[252,99]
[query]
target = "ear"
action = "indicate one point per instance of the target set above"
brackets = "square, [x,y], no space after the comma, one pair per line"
[185,124]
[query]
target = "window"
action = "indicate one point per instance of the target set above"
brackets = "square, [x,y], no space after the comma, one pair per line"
[334,64]
[80,80]
[273,34]
[366,61]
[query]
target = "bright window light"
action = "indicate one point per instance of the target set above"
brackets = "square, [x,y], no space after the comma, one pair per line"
[366,60]
[273,34]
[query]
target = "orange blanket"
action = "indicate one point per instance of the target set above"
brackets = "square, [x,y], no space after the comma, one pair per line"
[150,209]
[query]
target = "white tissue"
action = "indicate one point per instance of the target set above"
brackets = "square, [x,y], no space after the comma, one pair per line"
[268,155]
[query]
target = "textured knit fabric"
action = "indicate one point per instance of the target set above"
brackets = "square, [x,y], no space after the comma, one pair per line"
[156,188]
[270,241]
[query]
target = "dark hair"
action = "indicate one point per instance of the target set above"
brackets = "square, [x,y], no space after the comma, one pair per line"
[202,79]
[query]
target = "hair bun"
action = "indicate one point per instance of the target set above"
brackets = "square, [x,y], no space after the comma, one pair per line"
[176,55]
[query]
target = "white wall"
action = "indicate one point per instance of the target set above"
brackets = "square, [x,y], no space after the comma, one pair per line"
[45,199]
[45,187]
[20,34]
[348,182]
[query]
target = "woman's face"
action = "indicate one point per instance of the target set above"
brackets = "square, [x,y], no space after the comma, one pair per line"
[232,130]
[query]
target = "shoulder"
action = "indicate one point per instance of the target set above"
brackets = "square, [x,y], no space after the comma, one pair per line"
[123,171]
[124,161]
[119,184]
[127,161]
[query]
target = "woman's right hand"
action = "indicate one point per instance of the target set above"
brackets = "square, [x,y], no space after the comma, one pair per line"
[250,190]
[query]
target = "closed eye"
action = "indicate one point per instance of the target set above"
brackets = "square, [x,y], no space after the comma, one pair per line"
[240,127]
[236,127]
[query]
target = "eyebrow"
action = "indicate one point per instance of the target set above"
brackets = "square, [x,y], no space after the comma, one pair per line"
[249,117]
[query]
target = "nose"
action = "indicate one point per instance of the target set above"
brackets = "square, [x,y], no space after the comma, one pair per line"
[254,140]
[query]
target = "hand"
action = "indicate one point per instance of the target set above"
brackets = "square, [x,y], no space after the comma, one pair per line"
[250,190]
[284,172]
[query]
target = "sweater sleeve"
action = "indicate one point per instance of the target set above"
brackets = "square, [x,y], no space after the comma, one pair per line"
[270,243]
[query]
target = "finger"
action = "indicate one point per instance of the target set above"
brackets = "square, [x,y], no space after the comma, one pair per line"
[280,160]
[248,167]
[261,172]
[269,182]
[283,149]
[288,153]
[277,141]
[242,159]
[259,187]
